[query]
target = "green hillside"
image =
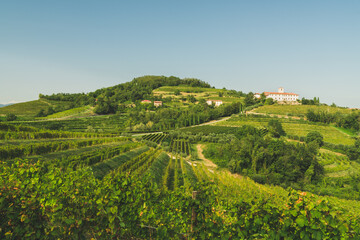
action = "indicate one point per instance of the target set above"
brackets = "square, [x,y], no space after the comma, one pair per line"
[85,111]
[300,110]
[33,107]
[88,176]
[182,92]
[293,127]
[103,165]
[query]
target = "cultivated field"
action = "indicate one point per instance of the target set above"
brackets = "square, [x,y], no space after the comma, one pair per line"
[299,110]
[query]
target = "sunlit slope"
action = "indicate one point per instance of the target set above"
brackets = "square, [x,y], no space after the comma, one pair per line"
[31,108]
[227,96]
[299,110]
[294,127]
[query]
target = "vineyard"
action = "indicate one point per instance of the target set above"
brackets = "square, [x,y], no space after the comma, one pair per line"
[292,127]
[180,146]
[99,124]
[156,137]
[70,185]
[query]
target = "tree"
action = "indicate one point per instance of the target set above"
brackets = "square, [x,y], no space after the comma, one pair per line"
[191,98]
[314,136]
[269,101]
[10,117]
[41,113]
[275,128]
[249,99]
[263,98]
[177,92]
[50,110]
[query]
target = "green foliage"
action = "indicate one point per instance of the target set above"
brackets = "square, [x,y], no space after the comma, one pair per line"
[23,150]
[280,162]
[249,99]
[156,137]
[315,137]
[180,146]
[172,118]
[32,108]
[107,124]
[275,128]
[315,101]
[269,101]
[177,92]
[10,117]
[107,100]
[348,121]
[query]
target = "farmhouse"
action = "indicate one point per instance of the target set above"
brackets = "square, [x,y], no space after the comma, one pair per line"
[145,101]
[280,96]
[157,103]
[216,102]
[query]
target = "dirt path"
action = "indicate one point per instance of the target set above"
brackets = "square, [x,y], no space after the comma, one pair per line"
[212,166]
[207,162]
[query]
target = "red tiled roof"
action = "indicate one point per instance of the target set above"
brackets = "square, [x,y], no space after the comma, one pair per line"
[268,93]
[157,101]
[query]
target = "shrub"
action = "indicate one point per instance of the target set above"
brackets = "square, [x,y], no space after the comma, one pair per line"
[10,117]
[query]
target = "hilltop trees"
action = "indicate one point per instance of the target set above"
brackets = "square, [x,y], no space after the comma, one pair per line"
[315,101]
[249,99]
[138,89]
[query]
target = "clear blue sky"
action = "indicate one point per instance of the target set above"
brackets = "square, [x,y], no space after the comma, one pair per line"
[308,47]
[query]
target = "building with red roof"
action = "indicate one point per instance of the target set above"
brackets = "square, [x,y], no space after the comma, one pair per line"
[280,96]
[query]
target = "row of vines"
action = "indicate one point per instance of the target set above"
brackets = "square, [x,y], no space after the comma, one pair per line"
[155,137]
[180,146]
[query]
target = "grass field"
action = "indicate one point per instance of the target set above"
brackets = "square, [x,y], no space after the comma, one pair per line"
[291,127]
[299,110]
[197,92]
[32,108]
[75,112]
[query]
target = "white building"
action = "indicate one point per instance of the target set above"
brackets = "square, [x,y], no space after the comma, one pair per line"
[282,96]
[216,102]
[157,103]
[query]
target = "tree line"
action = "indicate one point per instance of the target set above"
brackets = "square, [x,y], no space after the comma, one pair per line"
[171,118]
[349,121]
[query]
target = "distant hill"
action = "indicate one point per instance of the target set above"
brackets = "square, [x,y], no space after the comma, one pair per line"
[4,105]
[31,108]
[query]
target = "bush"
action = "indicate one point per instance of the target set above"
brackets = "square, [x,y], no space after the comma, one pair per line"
[315,136]
[259,178]
[10,117]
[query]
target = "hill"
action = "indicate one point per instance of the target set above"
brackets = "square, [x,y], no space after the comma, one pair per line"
[109,100]
[243,172]
[183,92]
[70,185]
[300,110]
[32,108]
[4,105]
